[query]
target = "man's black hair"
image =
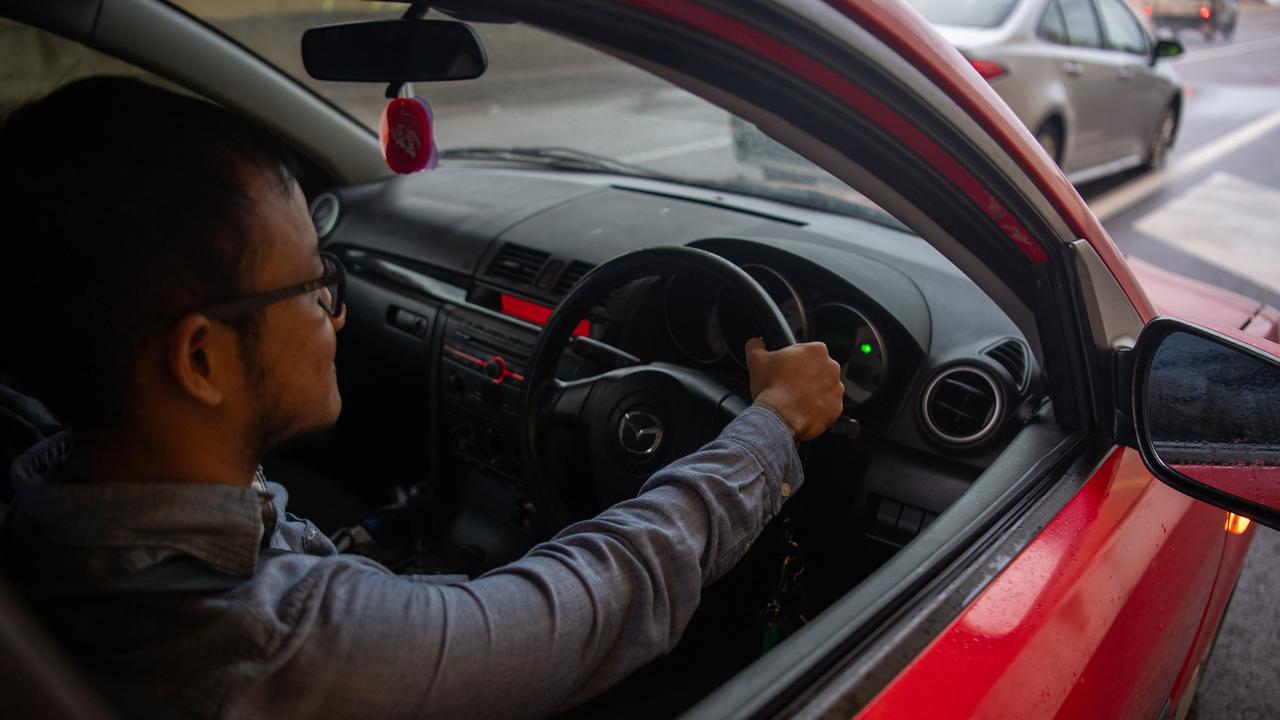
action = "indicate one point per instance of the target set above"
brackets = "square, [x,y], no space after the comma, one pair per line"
[124,206]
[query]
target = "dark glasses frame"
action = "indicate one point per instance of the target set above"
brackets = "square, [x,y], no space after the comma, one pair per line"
[335,276]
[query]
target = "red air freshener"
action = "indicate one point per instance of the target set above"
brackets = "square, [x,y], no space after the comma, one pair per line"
[407,141]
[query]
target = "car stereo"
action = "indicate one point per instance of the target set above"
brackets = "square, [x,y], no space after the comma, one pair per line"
[483,362]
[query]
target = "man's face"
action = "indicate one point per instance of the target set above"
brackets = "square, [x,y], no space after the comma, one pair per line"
[290,358]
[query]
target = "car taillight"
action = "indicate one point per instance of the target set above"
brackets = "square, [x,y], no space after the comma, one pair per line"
[987,69]
[1205,12]
[1146,10]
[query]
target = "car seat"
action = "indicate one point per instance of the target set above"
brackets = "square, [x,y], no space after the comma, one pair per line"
[24,421]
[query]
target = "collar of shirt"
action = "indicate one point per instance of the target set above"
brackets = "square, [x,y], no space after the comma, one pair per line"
[222,525]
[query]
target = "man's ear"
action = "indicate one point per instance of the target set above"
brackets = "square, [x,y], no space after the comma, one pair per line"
[198,361]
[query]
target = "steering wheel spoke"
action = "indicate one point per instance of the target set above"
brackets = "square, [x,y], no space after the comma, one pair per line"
[602,353]
[566,401]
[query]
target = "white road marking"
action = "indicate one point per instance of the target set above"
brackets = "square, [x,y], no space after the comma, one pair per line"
[1228,51]
[1226,221]
[673,150]
[1110,203]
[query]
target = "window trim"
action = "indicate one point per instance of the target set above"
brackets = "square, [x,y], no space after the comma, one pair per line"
[1133,22]
[1052,6]
[1097,25]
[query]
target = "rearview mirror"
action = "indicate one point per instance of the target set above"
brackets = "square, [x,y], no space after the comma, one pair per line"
[1207,415]
[394,51]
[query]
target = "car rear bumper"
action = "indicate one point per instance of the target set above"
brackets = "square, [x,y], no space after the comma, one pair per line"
[1181,22]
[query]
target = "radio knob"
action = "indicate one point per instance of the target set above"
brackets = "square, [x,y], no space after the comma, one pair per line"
[496,368]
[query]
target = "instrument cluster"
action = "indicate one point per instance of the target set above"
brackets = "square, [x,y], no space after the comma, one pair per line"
[709,329]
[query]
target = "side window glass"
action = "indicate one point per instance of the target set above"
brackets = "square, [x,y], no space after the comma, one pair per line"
[1082,23]
[1122,30]
[34,63]
[1052,26]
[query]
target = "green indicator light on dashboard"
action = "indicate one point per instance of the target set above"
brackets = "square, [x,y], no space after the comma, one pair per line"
[865,348]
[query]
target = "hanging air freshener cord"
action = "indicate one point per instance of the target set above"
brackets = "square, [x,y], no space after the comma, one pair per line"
[406,131]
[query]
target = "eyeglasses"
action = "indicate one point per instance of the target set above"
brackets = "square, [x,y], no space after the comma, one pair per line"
[332,284]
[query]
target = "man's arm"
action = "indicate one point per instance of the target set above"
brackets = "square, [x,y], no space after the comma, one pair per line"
[571,618]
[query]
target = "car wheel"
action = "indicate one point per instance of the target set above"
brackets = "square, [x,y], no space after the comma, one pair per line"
[1050,138]
[1229,30]
[1162,140]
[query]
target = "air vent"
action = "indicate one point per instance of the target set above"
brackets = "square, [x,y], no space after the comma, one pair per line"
[1012,355]
[324,213]
[572,275]
[518,263]
[962,405]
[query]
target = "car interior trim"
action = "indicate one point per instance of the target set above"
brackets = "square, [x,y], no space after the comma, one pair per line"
[72,19]
[424,285]
[167,41]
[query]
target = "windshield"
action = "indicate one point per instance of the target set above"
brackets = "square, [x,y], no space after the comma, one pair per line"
[968,13]
[565,101]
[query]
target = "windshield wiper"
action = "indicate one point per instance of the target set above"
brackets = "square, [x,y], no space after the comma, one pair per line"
[557,158]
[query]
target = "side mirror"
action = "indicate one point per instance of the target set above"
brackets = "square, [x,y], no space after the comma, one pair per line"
[394,51]
[1166,48]
[1207,417]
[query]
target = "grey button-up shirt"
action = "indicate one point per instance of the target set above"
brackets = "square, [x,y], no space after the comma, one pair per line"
[313,633]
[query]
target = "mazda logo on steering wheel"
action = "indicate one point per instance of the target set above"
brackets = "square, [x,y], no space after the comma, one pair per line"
[640,433]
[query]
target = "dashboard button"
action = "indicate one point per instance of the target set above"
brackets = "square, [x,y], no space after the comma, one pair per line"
[456,385]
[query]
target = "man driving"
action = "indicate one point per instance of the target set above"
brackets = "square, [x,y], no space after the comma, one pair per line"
[167,298]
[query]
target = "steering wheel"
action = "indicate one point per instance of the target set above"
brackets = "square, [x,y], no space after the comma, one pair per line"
[626,423]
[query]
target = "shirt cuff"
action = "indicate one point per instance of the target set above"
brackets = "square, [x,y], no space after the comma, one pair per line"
[769,440]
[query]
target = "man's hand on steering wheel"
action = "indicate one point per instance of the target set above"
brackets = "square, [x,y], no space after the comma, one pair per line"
[800,383]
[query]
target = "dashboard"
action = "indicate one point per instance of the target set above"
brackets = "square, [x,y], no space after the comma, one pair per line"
[454,271]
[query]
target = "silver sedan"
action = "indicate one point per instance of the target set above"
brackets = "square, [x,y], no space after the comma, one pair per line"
[1084,76]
